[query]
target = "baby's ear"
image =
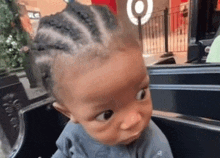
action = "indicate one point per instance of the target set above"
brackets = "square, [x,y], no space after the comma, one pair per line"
[62,109]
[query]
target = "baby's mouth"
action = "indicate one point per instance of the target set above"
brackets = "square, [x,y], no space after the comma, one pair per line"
[134,137]
[131,139]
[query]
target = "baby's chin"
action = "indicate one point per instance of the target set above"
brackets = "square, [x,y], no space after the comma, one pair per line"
[122,142]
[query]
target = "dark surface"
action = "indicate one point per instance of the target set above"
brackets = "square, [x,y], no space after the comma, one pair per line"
[190,139]
[195,103]
[190,90]
[15,94]
[43,125]
[12,99]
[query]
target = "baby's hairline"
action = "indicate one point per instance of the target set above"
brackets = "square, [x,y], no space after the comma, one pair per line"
[56,86]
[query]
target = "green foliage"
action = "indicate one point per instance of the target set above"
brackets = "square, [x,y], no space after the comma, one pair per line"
[12,36]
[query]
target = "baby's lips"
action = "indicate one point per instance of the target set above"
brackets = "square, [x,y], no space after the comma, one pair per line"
[131,139]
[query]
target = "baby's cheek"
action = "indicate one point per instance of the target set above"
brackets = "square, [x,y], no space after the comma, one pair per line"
[149,104]
[107,138]
[148,110]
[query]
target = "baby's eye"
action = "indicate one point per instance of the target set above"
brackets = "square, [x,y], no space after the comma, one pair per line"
[141,94]
[105,115]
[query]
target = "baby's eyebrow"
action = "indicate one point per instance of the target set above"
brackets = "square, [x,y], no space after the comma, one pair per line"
[145,81]
[102,105]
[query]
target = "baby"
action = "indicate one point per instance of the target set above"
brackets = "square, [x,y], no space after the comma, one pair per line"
[98,77]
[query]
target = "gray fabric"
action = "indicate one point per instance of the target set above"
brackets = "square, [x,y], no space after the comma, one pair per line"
[74,142]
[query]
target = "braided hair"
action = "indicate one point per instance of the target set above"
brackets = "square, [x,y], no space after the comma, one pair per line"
[78,28]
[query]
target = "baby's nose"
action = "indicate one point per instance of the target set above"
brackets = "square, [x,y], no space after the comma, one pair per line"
[131,120]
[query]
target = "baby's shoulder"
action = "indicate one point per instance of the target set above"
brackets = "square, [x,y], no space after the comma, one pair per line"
[71,140]
[74,142]
[154,133]
[72,129]
[74,133]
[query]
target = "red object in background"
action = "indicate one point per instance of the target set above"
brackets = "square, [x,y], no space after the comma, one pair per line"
[26,24]
[110,3]
[175,8]
[218,6]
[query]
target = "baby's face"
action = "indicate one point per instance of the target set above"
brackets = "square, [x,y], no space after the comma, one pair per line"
[112,101]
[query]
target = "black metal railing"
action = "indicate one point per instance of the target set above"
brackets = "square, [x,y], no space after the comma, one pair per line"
[166,32]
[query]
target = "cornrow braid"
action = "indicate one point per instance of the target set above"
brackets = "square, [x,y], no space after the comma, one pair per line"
[110,22]
[86,16]
[61,25]
[76,28]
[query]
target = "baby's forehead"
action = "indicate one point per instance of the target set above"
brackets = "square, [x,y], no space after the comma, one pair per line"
[93,80]
[69,65]
[79,61]
[87,61]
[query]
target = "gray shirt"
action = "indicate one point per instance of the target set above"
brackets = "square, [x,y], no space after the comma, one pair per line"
[74,142]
